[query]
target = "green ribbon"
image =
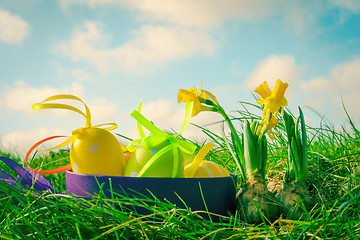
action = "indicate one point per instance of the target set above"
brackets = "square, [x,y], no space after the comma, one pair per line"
[159,137]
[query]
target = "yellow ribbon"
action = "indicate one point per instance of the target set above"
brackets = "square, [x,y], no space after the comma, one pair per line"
[198,159]
[87,115]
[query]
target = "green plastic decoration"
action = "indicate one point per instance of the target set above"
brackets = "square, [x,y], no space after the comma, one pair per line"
[159,154]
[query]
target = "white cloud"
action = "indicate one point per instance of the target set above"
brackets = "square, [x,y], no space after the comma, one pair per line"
[207,14]
[349,101]
[19,142]
[168,117]
[163,113]
[349,5]
[201,14]
[208,120]
[150,47]
[75,74]
[311,89]
[80,75]
[325,93]
[346,75]
[275,67]
[13,29]
[22,96]
[102,111]
[316,85]
[343,79]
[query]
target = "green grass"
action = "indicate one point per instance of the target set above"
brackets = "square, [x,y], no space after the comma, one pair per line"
[334,182]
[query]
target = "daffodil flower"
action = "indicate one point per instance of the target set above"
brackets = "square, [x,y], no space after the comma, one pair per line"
[201,98]
[274,100]
[272,123]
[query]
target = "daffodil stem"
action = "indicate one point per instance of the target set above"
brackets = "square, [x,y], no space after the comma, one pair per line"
[239,152]
[236,141]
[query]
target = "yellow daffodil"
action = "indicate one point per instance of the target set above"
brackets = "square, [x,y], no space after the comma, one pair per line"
[264,91]
[196,96]
[273,122]
[274,101]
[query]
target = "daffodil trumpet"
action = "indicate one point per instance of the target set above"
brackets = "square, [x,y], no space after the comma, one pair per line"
[94,150]
[293,192]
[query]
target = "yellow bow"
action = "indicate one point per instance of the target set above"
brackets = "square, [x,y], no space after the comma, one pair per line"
[87,115]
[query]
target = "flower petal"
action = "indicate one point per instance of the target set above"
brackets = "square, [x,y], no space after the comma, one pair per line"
[209,95]
[279,90]
[197,107]
[185,96]
[261,101]
[263,90]
[273,123]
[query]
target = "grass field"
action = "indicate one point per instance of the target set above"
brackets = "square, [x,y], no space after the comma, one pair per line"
[334,183]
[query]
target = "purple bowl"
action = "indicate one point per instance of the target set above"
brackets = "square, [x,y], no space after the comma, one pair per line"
[219,192]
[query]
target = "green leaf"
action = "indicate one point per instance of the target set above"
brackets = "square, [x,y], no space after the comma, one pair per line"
[250,151]
[296,159]
[290,172]
[263,155]
[297,132]
[253,126]
[289,123]
[304,141]
[238,155]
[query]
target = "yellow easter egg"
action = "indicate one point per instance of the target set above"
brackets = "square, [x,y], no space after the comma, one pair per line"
[162,167]
[208,169]
[97,151]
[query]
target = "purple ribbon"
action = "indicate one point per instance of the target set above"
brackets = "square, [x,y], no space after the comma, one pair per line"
[25,177]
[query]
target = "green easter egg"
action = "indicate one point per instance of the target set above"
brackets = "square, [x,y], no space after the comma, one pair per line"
[137,161]
[188,158]
[163,166]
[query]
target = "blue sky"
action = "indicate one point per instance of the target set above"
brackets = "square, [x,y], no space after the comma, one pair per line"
[112,53]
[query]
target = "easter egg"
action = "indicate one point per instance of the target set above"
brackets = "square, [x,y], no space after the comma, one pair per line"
[208,169]
[97,151]
[188,158]
[127,157]
[161,167]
